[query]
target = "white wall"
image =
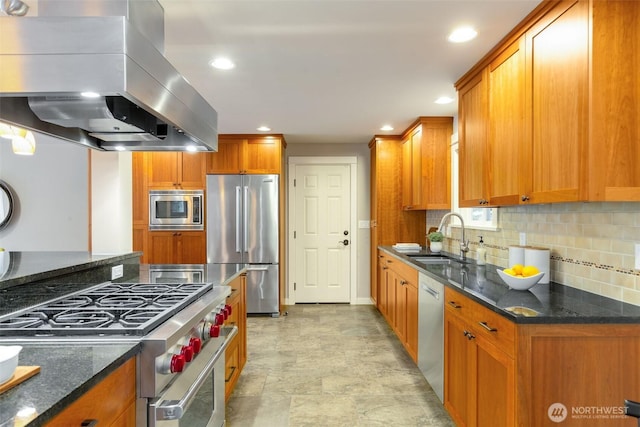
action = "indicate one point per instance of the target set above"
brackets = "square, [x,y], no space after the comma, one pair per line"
[51,191]
[111,191]
[361,151]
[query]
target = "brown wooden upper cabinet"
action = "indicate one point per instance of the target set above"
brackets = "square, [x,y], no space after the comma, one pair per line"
[535,126]
[426,164]
[243,154]
[171,169]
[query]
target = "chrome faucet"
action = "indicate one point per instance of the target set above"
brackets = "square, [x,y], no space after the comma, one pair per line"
[464,244]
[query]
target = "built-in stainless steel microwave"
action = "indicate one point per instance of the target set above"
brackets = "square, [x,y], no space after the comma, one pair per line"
[176,210]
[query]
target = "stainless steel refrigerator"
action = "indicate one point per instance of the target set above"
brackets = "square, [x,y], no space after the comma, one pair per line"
[242,228]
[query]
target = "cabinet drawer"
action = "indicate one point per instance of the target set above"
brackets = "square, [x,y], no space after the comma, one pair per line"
[482,322]
[403,270]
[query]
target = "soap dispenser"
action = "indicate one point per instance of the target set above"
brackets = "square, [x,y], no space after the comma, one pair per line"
[482,253]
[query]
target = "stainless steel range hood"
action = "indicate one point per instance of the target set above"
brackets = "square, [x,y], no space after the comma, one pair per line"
[109,48]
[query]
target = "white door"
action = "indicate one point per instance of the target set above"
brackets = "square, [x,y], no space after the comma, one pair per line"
[322,236]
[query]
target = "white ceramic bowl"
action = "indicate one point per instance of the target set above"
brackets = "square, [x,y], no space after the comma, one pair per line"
[519,283]
[8,361]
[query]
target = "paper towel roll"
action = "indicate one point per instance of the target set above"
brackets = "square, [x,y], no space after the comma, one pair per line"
[516,255]
[539,258]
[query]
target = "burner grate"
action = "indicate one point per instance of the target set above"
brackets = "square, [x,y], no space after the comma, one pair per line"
[108,309]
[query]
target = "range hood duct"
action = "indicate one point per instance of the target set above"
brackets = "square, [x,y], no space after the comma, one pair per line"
[112,49]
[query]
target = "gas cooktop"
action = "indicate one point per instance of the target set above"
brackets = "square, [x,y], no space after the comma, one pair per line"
[111,309]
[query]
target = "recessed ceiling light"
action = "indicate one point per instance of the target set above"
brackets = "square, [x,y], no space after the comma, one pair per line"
[444,100]
[386,128]
[462,34]
[222,63]
[90,94]
[264,129]
[119,148]
[191,148]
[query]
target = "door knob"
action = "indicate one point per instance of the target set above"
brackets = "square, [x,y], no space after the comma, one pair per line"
[344,242]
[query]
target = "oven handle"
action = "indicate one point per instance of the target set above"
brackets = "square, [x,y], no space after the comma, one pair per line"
[174,409]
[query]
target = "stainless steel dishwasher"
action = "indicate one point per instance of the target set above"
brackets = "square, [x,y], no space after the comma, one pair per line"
[431,332]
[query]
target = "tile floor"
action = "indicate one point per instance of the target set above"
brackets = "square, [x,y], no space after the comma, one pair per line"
[330,365]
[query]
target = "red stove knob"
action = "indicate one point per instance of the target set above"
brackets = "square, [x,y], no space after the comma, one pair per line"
[225,313]
[219,319]
[177,363]
[196,344]
[187,352]
[228,308]
[214,332]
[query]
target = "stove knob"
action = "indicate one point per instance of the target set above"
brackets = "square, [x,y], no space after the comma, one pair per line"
[225,313]
[219,319]
[187,352]
[196,344]
[214,332]
[177,363]
[228,308]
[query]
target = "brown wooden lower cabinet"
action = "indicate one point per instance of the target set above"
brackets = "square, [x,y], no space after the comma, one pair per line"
[112,402]
[398,293]
[498,373]
[236,353]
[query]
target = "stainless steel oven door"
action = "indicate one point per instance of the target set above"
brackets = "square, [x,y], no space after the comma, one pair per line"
[196,397]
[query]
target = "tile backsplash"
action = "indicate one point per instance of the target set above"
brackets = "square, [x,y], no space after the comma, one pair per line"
[592,244]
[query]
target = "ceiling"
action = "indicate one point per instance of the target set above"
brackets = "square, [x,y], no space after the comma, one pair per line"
[330,71]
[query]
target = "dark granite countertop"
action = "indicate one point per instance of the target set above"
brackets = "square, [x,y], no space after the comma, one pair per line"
[66,373]
[553,302]
[26,267]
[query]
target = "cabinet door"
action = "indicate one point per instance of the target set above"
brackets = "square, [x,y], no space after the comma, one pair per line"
[407,174]
[263,155]
[558,70]
[192,170]
[392,278]
[162,169]
[161,247]
[383,284]
[190,247]
[494,394]
[400,311]
[509,140]
[472,137]
[228,159]
[412,321]
[436,162]
[615,138]
[457,369]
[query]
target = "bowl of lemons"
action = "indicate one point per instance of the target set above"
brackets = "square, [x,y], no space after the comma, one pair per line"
[520,277]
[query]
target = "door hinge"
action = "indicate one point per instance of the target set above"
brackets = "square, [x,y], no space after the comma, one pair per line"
[294,286]
[294,234]
[294,182]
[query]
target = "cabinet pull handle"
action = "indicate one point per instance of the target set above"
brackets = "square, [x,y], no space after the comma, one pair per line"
[385,268]
[454,304]
[487,327]
[469,335]
[89,423]
[403,282]
[233,370]
[524,198]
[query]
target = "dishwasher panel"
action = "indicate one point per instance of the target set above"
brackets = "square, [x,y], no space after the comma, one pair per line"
[431,332]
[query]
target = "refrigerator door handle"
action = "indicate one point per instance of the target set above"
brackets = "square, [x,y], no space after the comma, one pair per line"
[257,268]
[244,218]
[238,219]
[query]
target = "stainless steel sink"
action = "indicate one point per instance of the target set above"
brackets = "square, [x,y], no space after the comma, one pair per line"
[432,260]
